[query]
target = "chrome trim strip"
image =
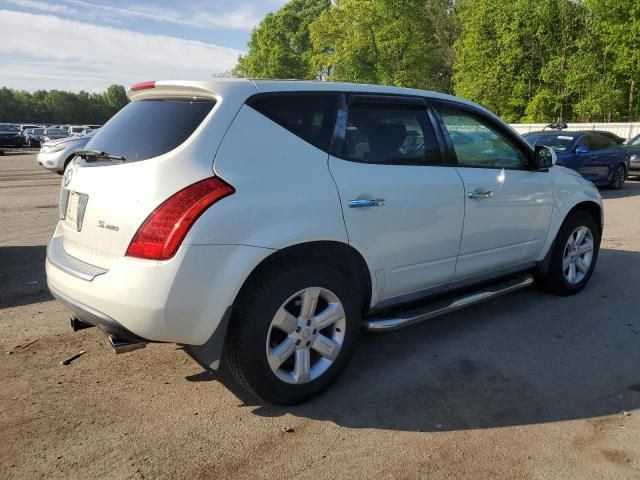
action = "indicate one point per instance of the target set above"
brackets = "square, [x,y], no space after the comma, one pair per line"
[440,308]
[58,257]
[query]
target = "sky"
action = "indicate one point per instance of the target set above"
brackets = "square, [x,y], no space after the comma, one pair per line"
[91,44]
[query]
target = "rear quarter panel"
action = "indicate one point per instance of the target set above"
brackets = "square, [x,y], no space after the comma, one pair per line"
[284,196]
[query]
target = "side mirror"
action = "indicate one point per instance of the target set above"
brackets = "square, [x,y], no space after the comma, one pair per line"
[582,149]
[545,158]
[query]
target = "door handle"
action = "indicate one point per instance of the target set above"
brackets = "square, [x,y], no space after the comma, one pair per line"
[477,194]
[378,202]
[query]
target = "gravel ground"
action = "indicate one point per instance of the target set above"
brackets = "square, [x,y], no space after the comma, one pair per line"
[527,386]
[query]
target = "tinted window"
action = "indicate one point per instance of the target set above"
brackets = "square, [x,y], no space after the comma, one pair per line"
[310,117]
[598,142]
[390,134]
[149,128]
[477,144]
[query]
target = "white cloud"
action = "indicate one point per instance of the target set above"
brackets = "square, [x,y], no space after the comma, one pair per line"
[42,6]
[243,18]
[53,52]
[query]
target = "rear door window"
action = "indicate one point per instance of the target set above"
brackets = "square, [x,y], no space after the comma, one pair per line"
[388,133]
[598,142]
[309,116]
[148,128]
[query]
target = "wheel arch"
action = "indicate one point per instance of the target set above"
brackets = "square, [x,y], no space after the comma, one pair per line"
[587,206]
[67,161]
[342,256]
[591,208]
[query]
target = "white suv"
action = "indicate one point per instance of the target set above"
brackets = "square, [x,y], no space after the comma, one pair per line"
[273,220]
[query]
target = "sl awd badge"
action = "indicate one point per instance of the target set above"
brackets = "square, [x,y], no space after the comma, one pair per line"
[105,225]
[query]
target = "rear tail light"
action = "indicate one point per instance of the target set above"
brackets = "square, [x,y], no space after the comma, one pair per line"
[159,237]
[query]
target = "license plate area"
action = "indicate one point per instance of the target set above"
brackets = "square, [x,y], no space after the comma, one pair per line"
[76,206]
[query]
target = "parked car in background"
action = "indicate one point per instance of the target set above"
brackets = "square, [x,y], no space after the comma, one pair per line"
[596,157]
[633,148]
[33,136]
[92,127]
[279,218]
[10,135]
[53,134]
[55,155]
[23,128]
[76,130]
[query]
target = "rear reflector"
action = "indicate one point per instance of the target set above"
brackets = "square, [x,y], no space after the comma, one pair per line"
[143,85]
[159,237]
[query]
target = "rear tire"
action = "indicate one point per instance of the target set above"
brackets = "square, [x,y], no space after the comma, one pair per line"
[574,255]
[282,345]
[618,177]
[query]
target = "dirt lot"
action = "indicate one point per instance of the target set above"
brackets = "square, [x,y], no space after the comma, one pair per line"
[527,386]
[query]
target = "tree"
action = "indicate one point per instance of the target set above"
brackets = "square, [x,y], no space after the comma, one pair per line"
[606,67]
[280,46]
[55,106]
[513,57]
[393,42]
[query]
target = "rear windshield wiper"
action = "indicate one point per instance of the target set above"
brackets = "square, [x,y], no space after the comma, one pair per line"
[97,154]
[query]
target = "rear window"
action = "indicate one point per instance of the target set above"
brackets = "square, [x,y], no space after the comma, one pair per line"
[309,116]
[148,128]
[559,143]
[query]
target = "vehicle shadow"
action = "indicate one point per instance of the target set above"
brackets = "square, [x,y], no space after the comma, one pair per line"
[630,189]
[523,358]
[22,276]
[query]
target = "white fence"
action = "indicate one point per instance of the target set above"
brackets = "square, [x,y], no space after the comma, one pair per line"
[624,130]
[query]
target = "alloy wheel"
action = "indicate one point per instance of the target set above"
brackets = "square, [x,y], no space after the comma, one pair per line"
[578,255]
[306,335]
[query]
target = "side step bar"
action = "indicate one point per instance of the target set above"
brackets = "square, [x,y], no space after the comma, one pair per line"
[403,319]
[123,346]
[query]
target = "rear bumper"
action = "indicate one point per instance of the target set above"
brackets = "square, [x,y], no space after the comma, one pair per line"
[88,315]
[182,300]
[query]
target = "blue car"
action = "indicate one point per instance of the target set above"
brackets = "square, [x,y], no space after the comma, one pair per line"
[596,157]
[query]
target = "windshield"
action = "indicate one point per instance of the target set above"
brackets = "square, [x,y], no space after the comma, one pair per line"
[148,128]
[559,143]
[77,129]
[38,131]
[635,141]
[9,128]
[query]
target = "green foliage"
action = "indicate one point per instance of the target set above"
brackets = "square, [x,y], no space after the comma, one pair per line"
[605,71]
[394,42]
[55,106]
[542,60]
[513,56]
[280,46]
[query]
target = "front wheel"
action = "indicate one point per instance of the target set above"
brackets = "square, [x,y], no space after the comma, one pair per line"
[618,177]
[293,332]
[574,255]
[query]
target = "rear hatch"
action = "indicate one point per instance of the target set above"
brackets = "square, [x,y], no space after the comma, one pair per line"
[161,142]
